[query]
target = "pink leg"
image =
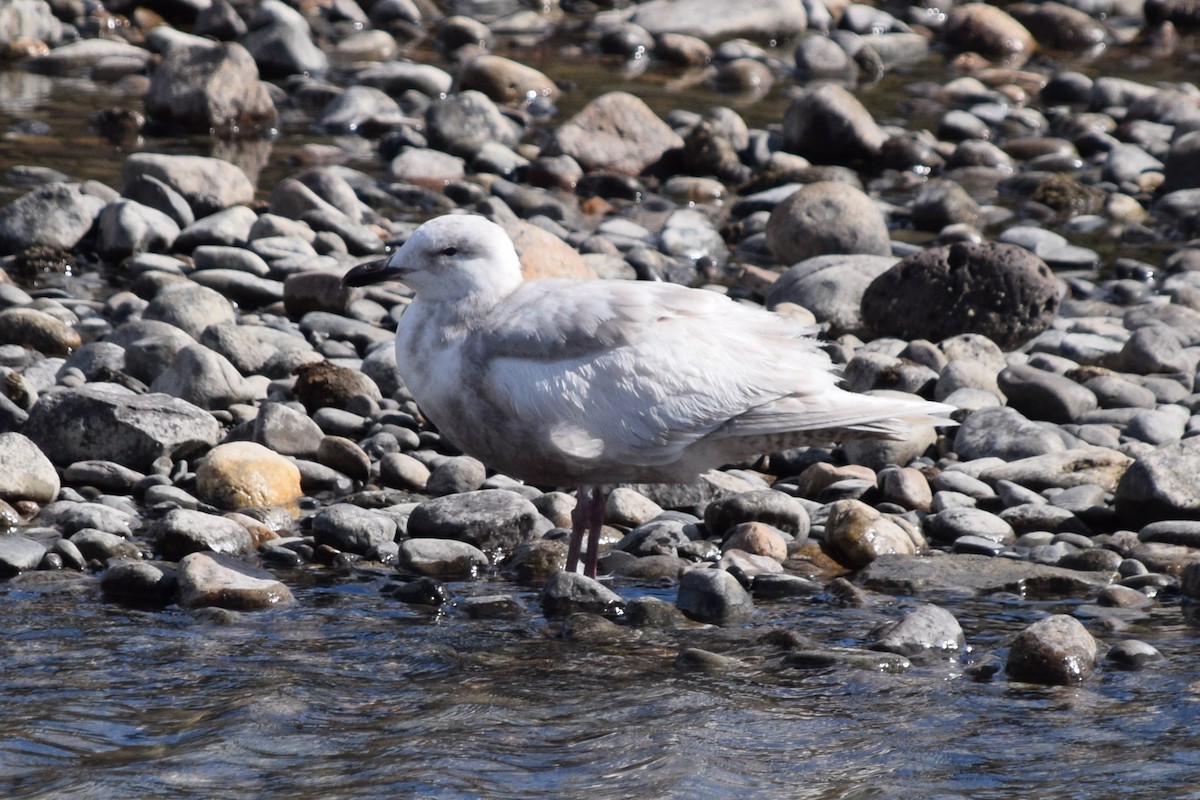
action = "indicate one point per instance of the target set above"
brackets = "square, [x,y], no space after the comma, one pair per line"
[579,523]
[595,519]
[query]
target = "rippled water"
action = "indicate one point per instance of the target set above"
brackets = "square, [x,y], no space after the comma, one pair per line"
[349,694]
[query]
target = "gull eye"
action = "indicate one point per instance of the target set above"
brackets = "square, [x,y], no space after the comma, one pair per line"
[449,251]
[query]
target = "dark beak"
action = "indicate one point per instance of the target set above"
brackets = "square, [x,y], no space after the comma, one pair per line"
[372,272]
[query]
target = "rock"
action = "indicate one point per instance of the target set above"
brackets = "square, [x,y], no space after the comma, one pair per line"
[827,217]
[568,593]
[56,215]
[857,534]
[18,554]
[713,596]
[657,537]
[360,109]
[456,475]
[424,591]
[461,123]
[954,523]
[38,331]
[247,475]
[107,476]
[286,431]
[182,531]
[831,287]
[351,529]
[767,506]
[29,19]
[969,573]
[1078,466]
[323,384]
[344,455]
[615,132]
[102,546]
[1056,650]
[989,31]
[139,582]
[190,307]
[206,379]
[1162,484]
[444,558]
[25,471]
[760,539]
[544,255]
[208,184]
[1133,654]
[203,89]
[828,124]
[281,42]
[927,631]
[403,472]
[1000,291]
[490,519]
[128,227]
[214,580]
[1043,395]
[505,81]
[757,19]
[1005,433]
[93,423]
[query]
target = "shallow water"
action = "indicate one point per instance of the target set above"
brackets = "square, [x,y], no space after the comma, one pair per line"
[349,694]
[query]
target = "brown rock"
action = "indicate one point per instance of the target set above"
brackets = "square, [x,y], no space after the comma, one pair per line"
[1056,650]
[211,88]
[857,534]
[321,383]
[616,132]
[544,255]
[760,539]
[505,81]
[212,580]
[37,330]
[989,31]
[247,475]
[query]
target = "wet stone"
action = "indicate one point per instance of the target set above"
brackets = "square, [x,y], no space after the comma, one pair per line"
[1133,654]
[492,606]
[100,546]
[182,531]
[490,519]
[18,554]
[423,591]
[568,592]
[713,595]
[1056,650]
[928,630]
[214,580]
[351,529]
[444,558]
[139,582]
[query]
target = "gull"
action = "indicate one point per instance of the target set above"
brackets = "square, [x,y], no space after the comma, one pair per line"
[593,383]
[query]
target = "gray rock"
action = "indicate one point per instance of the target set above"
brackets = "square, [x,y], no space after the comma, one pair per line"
[224,228]
[216,88]
[396,77]
[402,471]
[1162,484]
[140,582]
[18,554]
[220,581]
[1133,654]
[69,517]
[827,217]
[55,215]
[767,506]
[360,108]
[206,379]
[443,558]
[462,123]
[830,125]
[757,19]
[352,529]
[929,630]
[208,184]
[954,523]
[190,307]
[831,287]
[615,132]
[1005,433]
[568,593]
[714,596]
[1043,395]
[128,227]
[846,657]
[150,191]
[96,545]
[83,55]
[658,537]
[1074,467]
[490,519]
[456,475]
[281,42]
[286,431]
[1156,349]
[134,430]
[107,476]
[25,471]
[37,330]
[1056,650]
[29,19]
[182,531]
[959,573]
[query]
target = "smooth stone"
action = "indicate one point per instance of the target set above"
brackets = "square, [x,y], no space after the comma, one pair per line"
[824,218]
[139,582]
[953,523]
[857,534]
[247,475]
[568,592]
[766,506]
[25,471]
[714,596]
[18,554]
[490,519]
[103,546]
[456,475]
[351,529]
[212,580]
[929,630]
[615,132]
[444,558]
[1133,654]
[831,287]
[182,531]
[1056,650]
[973,573]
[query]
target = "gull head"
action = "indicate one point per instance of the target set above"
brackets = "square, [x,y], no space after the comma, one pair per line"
[449,258]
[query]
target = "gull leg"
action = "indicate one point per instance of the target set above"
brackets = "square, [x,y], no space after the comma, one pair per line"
[579,522]
[595,519]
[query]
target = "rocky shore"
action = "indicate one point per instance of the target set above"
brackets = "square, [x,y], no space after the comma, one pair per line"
[221,417]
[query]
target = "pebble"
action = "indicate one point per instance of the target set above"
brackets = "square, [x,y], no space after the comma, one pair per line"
[713,596]
[1056,650]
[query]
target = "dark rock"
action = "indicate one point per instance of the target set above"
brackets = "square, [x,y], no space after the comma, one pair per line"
[1056,650]
[490,519]
[1000,291]
[714,596]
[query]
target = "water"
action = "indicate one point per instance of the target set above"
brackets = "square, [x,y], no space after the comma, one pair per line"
[349,694]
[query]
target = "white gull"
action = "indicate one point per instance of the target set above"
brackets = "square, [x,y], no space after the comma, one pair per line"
[593,383]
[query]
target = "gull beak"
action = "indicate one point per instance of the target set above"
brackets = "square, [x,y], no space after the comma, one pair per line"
[381,269]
